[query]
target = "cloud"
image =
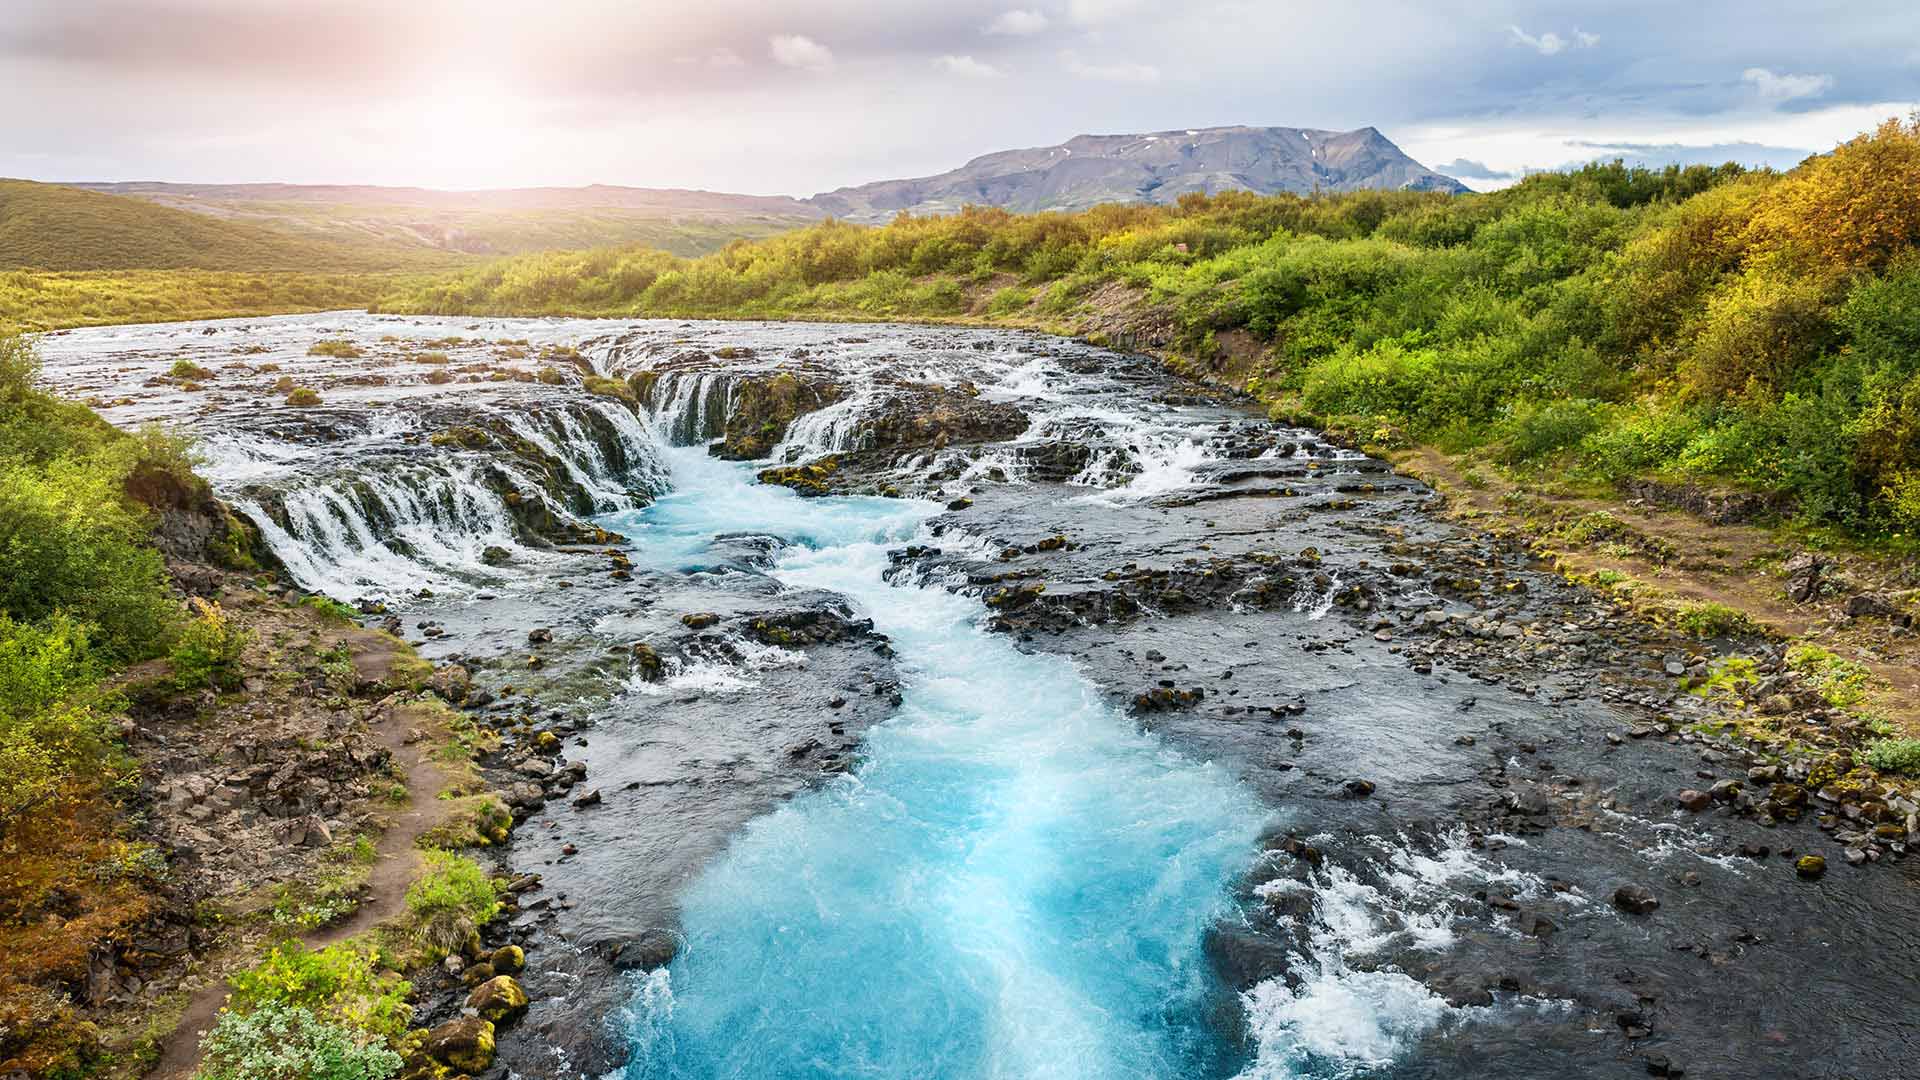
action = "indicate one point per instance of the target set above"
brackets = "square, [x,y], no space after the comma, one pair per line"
[1090,12]
[1020,22]
[720,59]
[1128,73]
[800,51]
[1552,44]
[1465,169]
[1772,87]
[967,67]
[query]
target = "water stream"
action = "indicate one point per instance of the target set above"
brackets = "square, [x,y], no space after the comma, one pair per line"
[1015,882]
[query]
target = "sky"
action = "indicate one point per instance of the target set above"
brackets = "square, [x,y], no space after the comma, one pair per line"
[800,96]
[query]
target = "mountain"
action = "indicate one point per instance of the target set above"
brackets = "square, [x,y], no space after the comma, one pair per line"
[1157,167]
[502,222]
[56,227]
[135,225]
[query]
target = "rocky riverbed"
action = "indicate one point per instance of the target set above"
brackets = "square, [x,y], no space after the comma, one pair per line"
[1488,834]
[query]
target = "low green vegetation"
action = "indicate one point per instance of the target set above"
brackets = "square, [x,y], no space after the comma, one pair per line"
[1752,329]
[450,902]
[209,648]
[1900,756]
[83,594]
[335,347]
[1710,619]
[286,1042]
[36,300]
[345,984]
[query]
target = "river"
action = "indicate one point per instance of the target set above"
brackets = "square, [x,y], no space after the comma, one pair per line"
[1091,725]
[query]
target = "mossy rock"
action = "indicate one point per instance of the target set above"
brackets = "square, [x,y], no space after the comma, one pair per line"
[509,960]
[466,1044]
[499,999]
[646,660]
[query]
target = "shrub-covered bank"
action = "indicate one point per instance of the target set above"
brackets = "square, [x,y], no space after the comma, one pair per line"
[197,772]
[1758,329]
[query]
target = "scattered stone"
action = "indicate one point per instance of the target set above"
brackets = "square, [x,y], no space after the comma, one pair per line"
[1358,789]
[1693,800]
[647,662]
[495,555]
[1803,577]
[699,620]
[1810,866]
[541,636]
[960,504]
[1635,899]
[591,798]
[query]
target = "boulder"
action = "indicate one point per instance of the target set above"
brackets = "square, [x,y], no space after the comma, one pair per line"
[1868,605]
[1693,800]
[1803,577]
[1635,899]
[498,1000]
[509,960]
[465,1045]
[495,555]
[452,682]
[1810,866]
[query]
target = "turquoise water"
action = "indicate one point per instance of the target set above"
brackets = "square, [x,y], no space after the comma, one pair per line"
[1015,882]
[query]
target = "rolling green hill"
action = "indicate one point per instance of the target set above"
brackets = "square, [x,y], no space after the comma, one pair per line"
[54,227]
[499,222]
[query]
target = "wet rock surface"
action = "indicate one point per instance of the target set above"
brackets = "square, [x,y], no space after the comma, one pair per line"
[1492,810]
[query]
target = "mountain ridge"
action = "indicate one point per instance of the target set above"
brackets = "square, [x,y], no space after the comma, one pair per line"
[1154,166]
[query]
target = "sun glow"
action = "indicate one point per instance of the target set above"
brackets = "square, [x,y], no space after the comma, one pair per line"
[462,132]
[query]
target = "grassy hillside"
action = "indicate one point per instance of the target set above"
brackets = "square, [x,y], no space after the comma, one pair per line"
[1759,330]
[507,231]
[34,300]
[51,227]
[505,222]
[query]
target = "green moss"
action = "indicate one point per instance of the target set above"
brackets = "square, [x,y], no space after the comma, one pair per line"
[336,347]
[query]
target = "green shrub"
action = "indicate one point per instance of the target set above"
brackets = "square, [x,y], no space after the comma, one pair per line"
[282,1042]
[1009,300]
[342,983]
[339,348]
[70,543]
[55,720]
[303,397]
[332,609]
[1895,756]
[187,369]
[1537,431]
[1841,681]
[454,899]
[209,650]
[1709,619]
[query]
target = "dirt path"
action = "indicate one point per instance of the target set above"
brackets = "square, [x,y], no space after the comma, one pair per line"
[1699,561]
[397,863]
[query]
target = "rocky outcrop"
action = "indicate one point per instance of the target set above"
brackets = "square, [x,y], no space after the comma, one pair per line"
[763,408]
